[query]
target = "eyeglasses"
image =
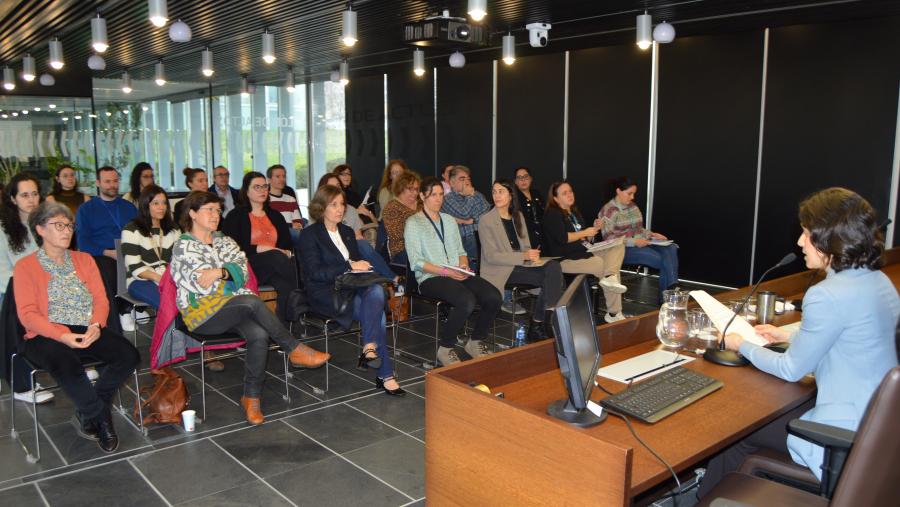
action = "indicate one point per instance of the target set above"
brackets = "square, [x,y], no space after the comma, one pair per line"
[221,174]
[217,211]
[260,188]
[345,173]
[61,226]
[523,177]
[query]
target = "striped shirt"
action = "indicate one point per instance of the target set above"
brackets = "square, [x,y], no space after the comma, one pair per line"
[144,253]
[287,206]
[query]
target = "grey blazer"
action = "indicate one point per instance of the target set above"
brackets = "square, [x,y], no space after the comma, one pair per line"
[498,258]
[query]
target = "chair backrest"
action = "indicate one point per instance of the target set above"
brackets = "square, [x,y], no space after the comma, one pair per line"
[871,474]
[121,286]
[381,240]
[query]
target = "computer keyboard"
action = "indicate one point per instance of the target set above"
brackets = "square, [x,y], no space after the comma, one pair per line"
[662,395]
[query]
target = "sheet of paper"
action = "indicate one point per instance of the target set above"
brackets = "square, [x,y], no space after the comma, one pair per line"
[643,366]
[459,269]
[719,314]
[791,329]
[365,199]
[661,242]
[603,245]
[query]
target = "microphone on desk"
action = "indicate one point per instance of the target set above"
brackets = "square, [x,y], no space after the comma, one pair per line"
[724,357]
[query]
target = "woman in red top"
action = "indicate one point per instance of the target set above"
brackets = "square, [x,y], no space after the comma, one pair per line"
[265,238]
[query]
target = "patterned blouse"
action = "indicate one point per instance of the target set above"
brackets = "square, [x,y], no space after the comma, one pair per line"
[70,301]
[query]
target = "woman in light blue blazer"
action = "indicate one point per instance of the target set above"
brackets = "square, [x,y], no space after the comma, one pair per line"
[846,337]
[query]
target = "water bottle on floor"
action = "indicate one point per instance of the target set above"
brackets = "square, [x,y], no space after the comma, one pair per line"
[521,333]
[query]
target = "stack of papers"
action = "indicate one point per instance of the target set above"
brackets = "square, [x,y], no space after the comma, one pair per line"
[603,245]
[643,366]
[661,242]
[719,314]
[458,269]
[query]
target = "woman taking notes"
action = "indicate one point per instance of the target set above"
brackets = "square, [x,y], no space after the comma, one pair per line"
[846,337]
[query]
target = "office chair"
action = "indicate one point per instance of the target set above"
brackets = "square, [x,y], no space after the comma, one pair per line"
[860,468]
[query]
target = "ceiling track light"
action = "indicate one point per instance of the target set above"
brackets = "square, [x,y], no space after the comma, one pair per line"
[509,48]
[268,47]
[348,34]
[56,54]
[477,9]
[98,34]
[206,62]
[9,79]
[419,62]
[28,68]
[643,29]
[126,82]
[160,73]
[345,72]
[159,12]
[245,86]
[289,80]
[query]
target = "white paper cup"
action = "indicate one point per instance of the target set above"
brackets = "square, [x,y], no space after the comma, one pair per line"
[188,417]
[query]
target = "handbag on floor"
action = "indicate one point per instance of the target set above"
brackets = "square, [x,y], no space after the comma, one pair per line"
[165,399]
[398,307]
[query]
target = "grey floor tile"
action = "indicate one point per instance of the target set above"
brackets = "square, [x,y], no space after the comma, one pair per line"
[272,399]
[398,461]
[13,464]
[341,428]
[420,434]
[191,471]
[252,494]
[112,484]
[232,375]
[22,496]
[418,388]
[271,449]
[405,413]
[341,383]
[75,449]
[333,481]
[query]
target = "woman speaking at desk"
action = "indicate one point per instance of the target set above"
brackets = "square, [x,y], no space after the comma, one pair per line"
[847,334]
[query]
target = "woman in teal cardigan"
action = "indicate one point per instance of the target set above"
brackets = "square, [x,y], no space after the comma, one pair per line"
[846,337]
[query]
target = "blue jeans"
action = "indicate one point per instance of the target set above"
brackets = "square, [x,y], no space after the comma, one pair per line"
[375,259]
[663,258]
[368,309]
[470,244]
[146,291]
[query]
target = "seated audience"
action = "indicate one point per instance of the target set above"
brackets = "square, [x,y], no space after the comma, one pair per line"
[141,177]
[65,189]
[396,212]
[196,181]
[466,205]
[622,219]
[63,306]
[20,197]
[393,169]
[265,239]
[531,203]
[225,191]
[506,255]
[147,243]
[565,235]
[354,200]
[210,270]
[328,248]
[433,244]
[846,338]
[284,203]
[445,179]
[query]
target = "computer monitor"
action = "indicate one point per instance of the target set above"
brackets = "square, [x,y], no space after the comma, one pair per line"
[578,353]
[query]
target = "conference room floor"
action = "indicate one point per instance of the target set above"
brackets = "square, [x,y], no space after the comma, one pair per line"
[353,445]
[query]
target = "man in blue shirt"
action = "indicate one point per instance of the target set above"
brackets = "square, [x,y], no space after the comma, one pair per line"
[99,223]
[226,192]
[466,205]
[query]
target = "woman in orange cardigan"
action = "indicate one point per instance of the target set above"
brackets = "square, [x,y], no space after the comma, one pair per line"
[61,302]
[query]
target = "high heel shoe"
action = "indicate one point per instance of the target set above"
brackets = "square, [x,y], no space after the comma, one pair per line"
[369,359]
[379,383]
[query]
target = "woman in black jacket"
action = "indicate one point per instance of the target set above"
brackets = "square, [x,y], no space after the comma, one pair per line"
[265,238]
[531,204]
[327,250]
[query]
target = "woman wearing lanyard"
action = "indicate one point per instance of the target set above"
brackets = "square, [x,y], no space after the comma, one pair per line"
[435,248]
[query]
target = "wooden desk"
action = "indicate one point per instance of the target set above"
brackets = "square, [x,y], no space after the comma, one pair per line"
[484,450]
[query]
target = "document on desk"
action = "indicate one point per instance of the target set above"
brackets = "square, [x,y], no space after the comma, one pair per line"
[719,314]
[643,366]
[790,329]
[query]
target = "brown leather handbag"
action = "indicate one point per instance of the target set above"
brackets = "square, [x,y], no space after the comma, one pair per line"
[398,307]
[163,402]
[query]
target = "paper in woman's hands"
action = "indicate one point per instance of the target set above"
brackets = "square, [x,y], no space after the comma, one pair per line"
[720,314]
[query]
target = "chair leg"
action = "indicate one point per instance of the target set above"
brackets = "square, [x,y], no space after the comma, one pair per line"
[327,365]
[203,379]
[12,395]
[37,434]
[287,389]
[137,397]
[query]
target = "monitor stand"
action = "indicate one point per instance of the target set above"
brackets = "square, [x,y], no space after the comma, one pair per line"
[565,411]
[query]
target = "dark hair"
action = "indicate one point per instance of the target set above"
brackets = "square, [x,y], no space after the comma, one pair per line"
[104,169]
[551,201]
[245,185]
[338,169]
[135,180]
[515,211]
[16,231]
[325,177]
[404,181]
[458,169]
[193,202]
[143,221]
[323,197]
[429,183]
[272,168]
[57,187]
[189,174]
[622,184]
[843,226]
[522,168]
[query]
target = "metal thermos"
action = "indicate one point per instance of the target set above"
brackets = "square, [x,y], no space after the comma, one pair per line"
[765,307]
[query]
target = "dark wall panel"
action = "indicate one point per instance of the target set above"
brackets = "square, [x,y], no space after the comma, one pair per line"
[411,119]
[706,152]
[364,102]
[831,111]
[530,97]
[464,111]
[609,121]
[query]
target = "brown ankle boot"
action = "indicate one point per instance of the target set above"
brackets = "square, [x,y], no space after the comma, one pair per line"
[307,357]
[251,407]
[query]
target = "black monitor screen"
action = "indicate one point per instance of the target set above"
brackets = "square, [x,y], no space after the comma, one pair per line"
[576,340]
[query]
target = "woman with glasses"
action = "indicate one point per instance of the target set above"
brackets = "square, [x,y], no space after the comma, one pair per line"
[398,210]
[147,243]
[61,302]
[210,272]
[265,238]
[531,204]
[345,175]
[141,177]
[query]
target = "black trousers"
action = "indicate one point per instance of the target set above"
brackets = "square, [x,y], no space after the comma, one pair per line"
[276,269]
[548,277]
[463,296]
[65,366]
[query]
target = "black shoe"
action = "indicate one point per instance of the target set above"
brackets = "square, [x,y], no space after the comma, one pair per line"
[108,439]
[88,429]
[536,331]
[379,383]
[369,359]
